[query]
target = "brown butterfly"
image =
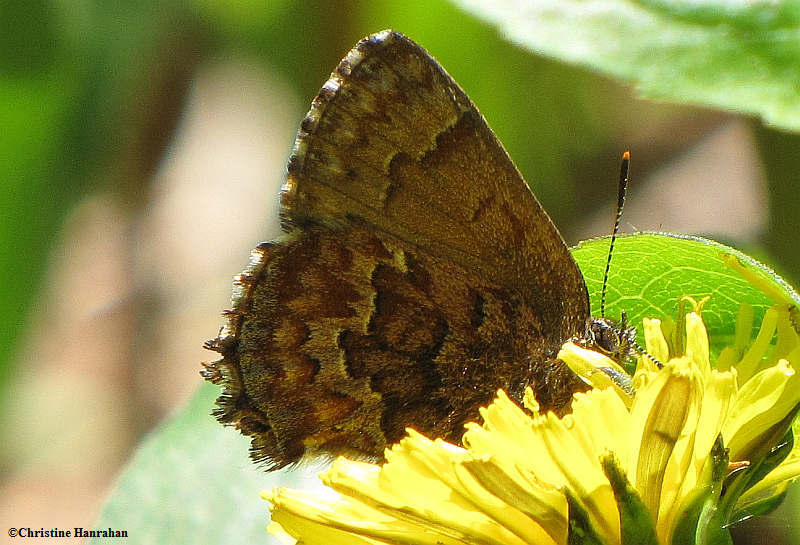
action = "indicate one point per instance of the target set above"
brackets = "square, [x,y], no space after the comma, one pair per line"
[416,276]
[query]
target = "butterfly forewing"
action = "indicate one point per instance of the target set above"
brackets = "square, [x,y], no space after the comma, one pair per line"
[393,142]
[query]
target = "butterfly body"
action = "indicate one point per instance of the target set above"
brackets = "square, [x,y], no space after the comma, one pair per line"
[416,276]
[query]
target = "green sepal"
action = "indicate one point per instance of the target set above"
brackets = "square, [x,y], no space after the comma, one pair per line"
[700,522]
[770,499]
[719,464]
[763,448]
[581,530]
[774,457]
[762,463]
[635,522]
[763,506]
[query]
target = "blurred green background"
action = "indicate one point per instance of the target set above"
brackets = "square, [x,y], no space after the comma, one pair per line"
[141,152]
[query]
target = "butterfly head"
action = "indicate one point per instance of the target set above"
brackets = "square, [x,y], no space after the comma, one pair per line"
[616,340]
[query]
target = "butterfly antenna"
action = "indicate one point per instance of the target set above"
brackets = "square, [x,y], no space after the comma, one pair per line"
[623,188]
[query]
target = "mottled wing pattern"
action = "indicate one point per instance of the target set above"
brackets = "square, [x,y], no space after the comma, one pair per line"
[418,273]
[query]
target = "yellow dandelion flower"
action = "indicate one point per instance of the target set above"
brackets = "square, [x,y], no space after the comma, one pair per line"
[671,455]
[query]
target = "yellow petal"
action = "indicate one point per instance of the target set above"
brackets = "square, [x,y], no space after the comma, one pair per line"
[665,415]
[697,343]
[743,330]
[597,370]
[751,361]
[413,485]
[508,430]
[563,453]
[484,482]
[788,339]
[606,422]
[573,450]
[763,401]
[719,396]
[654,339]
[344,521]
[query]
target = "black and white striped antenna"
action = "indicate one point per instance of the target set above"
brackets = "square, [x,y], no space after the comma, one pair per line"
[623,188]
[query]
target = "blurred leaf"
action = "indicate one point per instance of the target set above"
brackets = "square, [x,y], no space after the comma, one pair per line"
[192,481]
[86,96]
[28,38]
[39,81]
[650,272]
[779,152]
[739,56]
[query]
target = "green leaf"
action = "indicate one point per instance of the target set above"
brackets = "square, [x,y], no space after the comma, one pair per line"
[192,481]
[650,272]
[738,56]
